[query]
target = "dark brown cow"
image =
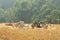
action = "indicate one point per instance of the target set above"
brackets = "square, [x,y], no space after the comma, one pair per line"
[10,24]
[35,24]
[40,25]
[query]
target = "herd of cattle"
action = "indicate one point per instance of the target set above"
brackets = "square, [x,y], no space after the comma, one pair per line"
[21,24]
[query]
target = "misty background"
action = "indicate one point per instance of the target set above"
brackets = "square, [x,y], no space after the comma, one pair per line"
[30,10]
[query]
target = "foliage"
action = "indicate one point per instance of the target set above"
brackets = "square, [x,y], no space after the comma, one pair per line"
[32,10]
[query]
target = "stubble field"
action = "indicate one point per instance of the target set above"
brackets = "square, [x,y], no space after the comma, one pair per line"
[7,33]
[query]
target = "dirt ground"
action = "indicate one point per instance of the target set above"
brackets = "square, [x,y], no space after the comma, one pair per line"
[9,33]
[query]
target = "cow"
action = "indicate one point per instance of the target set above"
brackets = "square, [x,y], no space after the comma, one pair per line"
[10,24]
[20,24]
[44,25]
[35,24]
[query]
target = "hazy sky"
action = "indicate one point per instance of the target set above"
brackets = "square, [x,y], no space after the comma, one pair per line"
[6,3]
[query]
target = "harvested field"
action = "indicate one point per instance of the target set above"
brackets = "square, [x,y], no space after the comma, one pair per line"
[7,33]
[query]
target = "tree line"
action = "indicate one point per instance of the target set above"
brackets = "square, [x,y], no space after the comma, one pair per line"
[32,10]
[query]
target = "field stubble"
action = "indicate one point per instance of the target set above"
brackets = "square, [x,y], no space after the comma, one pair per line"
[7,33]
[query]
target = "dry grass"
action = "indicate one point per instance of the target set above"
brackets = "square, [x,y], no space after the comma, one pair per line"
[7,33]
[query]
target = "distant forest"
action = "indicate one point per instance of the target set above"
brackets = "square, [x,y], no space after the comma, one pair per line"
[30,10]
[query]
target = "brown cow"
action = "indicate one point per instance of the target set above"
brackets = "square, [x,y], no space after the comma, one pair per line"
[35,24]
[20,24]
[10,24]
[39,25]
[44,24]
